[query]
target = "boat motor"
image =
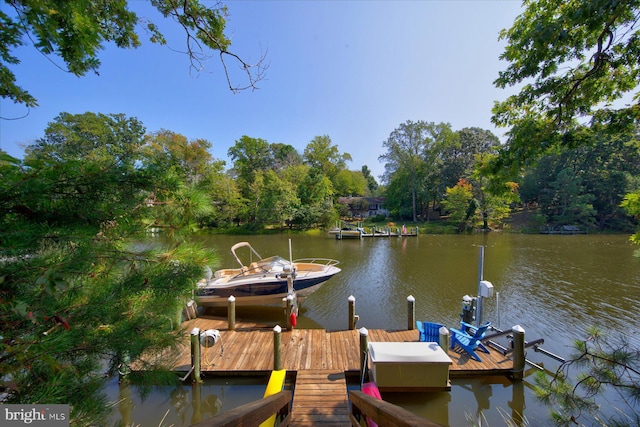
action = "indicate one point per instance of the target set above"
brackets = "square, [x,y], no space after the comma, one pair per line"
[468,314]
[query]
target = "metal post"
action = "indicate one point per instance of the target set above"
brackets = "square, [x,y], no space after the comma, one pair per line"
[231,313]
[411,313]
[353,317]
[364,350]
[195,354]
[498,309]
[480,279]
[518,353]
[277,354]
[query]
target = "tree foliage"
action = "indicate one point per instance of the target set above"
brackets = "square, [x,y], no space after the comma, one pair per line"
[572,60]
[605,365]
[77,30]
[80,298]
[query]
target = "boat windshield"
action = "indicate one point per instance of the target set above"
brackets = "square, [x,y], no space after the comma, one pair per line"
[274,263]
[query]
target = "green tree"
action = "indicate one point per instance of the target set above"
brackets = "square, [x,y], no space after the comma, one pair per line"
[170,150]
[372,184]
[77,170]
[78,297]
[460,156]
[227,201]
[564,202]
[414,161]
[573,60]
[605,167]
[284,156]
[603,364]
[405,156]
[322,155]
[76,31]
[275,200]
[249,155]
[494,204]
[460,205]
[350,183]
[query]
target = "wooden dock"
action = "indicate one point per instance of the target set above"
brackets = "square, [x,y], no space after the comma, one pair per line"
[321,359]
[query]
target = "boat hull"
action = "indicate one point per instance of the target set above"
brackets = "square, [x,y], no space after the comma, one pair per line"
[259,292]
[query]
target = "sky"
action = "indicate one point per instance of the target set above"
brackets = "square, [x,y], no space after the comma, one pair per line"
[351,70]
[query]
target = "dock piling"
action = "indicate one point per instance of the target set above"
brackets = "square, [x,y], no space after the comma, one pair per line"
[231,313]
[353,317]
[364,350]
[411,312]
[195,355]
[518,352]
[277,348]
[444,339]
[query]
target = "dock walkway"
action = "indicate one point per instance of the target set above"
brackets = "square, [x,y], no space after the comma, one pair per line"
[320,359]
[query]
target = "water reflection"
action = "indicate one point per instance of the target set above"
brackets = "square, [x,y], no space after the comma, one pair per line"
[181,405]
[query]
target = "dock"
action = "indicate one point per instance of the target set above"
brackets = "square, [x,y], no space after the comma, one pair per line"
[320,359]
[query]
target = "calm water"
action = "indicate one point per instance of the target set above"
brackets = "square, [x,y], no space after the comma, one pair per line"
[555,287]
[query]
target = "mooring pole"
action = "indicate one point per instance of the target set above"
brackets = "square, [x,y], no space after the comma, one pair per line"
[444,338]
[353,317]
[480,279]
[411,313]
[518,353]
[277,355]
[195,354]
[364,350]
[231,313]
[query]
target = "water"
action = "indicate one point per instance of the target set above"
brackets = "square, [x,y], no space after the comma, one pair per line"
[555,287]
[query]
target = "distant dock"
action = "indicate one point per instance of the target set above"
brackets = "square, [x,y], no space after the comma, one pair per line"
[360,232]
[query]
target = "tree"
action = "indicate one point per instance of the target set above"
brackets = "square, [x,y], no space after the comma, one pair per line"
[605,364]
[494,204]
[414,155]
[372,184]
[83,169]
[574,60]
[460,156]
[284,156]
[80,298]
[322,155]
[249,156]
[170,150]
[460,205]
[603,166]
[274,199]
[350,183]
[76,30]
[405,152]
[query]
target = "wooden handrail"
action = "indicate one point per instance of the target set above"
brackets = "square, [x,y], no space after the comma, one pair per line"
[253,413]
[383,413]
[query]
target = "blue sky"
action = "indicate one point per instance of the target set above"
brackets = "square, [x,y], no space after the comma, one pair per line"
[351,70]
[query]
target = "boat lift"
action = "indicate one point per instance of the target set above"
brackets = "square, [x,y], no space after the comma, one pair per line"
[472,310]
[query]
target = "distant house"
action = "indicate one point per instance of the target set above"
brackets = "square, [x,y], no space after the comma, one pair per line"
[364,207]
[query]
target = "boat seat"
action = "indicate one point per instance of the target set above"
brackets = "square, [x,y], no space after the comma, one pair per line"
[253,267]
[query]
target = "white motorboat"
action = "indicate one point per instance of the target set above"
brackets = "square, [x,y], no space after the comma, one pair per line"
[262,281]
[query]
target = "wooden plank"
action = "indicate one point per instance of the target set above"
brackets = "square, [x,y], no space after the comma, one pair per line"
[250,348]
[320,398]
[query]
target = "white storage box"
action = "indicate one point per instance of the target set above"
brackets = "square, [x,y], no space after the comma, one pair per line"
[409,366]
